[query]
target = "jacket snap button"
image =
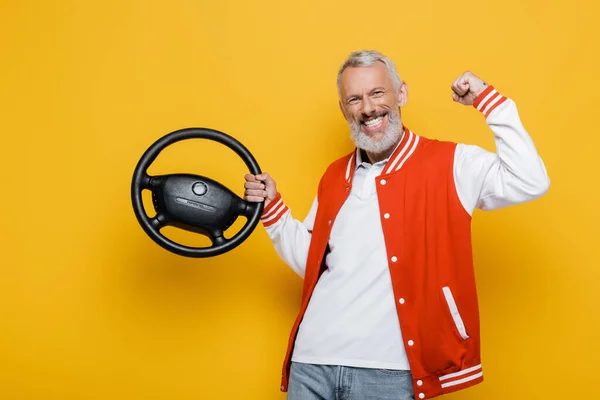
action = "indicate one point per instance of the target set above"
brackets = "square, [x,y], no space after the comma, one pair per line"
[421,395]
[383,182]
[329,222]
[419,383]
[410,342]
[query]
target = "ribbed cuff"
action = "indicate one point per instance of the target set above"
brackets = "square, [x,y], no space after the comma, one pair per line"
[488,100]
[274,211]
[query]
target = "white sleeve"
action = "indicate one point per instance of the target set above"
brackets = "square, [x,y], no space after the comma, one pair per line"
[290,237]
[514,174]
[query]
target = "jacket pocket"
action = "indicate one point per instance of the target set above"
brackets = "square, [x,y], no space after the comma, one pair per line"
[460,326]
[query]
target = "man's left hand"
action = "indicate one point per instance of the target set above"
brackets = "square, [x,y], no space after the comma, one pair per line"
[466,88]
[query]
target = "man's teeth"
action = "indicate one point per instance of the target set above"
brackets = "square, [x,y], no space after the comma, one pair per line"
[374,122]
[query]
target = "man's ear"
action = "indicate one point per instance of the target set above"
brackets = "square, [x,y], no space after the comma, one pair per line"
[403,94]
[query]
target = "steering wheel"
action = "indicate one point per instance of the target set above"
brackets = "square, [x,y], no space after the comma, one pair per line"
[193,202]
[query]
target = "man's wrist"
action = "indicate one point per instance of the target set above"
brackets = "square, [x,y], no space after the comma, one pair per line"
[479,88]
[488,100]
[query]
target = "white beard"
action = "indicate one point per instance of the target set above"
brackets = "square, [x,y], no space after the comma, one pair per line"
[391,135]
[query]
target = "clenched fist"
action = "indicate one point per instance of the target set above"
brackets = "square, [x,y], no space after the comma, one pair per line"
[466,88]
[259,188]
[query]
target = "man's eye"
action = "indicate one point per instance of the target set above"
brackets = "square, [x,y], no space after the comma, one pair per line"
[353,100]
[379,92]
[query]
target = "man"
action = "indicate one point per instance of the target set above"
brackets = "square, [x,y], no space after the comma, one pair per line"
[389,305]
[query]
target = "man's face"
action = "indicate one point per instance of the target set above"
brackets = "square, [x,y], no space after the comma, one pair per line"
[370,104]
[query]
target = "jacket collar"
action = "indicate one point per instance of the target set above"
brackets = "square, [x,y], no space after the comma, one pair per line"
[394,162]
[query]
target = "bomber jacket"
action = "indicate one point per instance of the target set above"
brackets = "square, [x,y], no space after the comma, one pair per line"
[427,239]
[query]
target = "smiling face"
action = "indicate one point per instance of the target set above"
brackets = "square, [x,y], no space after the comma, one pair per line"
[370,104]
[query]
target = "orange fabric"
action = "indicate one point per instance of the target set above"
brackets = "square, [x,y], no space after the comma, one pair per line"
[273,211]
[497,97]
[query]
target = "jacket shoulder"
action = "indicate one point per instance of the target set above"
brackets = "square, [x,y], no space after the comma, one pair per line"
[337,169]
[435,145]
[435,150]
[340,165]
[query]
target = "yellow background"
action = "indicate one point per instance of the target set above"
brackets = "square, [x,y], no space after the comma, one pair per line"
[91,308]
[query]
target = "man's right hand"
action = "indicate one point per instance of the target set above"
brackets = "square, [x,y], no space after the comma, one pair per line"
[259,188]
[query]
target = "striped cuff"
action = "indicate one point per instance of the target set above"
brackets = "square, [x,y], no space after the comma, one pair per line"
[488,100]
[274,211]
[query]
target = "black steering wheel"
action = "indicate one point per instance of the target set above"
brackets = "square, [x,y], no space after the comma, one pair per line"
[193,202]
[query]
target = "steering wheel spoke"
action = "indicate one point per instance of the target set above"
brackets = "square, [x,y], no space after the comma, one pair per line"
[159,221]
[249,208]
[145,181]
[217,238]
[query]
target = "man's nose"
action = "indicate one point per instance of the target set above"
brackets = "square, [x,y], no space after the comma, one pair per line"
[367,106]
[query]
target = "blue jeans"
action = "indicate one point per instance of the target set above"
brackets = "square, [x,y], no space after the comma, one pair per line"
[331,382]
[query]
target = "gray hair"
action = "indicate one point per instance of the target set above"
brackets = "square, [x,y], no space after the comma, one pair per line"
[367,58]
